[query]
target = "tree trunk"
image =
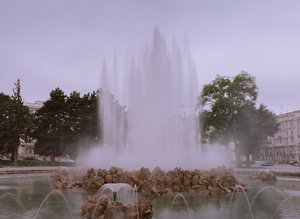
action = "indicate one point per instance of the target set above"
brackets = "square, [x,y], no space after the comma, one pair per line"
[52,158]
[237,151]
[14,155]
[247,159]
[255,156]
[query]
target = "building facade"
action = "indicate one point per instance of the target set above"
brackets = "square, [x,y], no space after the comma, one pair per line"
[284,146]
[33,107]
[26,149]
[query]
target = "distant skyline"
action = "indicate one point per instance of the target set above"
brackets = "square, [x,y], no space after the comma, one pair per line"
[62,43]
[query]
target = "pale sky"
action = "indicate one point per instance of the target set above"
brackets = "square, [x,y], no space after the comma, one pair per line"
[62,43]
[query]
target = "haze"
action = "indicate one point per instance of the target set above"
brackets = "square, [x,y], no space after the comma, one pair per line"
[62,43]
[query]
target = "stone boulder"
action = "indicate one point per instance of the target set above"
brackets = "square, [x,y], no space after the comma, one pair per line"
[66,179]
[155,183]
[100,208]
[266,176]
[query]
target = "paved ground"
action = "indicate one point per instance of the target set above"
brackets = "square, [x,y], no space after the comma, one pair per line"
[279,170]
[285,169]
[27,170]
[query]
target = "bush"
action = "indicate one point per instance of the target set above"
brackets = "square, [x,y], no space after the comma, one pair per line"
[30,158]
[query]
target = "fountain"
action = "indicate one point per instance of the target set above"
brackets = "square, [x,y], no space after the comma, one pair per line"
[117,200]
[149,118]
[58,192]
[158,125]
[121,192]
[185,202]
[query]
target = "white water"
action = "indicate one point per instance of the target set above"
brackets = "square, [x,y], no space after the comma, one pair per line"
[160,127]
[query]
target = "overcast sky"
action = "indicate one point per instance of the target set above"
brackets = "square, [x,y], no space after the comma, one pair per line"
[61,43]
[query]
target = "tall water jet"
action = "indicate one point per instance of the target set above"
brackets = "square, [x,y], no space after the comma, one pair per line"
[158,125]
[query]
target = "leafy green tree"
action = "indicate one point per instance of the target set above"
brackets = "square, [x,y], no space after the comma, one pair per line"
[221,100]
[252,127]
[229,114]
[50,126]
[267,125]
[5,113]
[90,121]
[66,123]
[83,122]
[73,123]
[15,122]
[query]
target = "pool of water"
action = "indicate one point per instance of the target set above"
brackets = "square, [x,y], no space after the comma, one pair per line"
[21,196]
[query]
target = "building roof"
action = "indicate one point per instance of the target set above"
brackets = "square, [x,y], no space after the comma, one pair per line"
[34,106]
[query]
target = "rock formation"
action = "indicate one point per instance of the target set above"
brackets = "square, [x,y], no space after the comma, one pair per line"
[150,184]
[100,208]
[266,176]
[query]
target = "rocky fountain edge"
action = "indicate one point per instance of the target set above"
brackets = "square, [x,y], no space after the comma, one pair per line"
[149,184]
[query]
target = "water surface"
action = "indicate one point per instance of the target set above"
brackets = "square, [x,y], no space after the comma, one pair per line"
[22,195]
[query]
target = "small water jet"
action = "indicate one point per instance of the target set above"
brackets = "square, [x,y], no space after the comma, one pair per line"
[121,192]
[58,192]
[12,197]
[185,202]
[286,199]
[239,187]
[4,212]
[117,200]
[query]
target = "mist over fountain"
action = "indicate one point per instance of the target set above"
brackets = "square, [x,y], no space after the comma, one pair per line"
[154,124]
[158,90]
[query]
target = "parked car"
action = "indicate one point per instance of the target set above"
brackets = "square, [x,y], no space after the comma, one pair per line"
[259,164]
[266,163]
[292,162]
[297,164]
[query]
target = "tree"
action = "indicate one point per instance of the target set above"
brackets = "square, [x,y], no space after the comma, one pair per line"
[252,127]
[66,123]
[50,126]
[15,122]
[73,123]
[90,128]
[230,114]
[5,112]
[267,125]
[221,100]
[83,121]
